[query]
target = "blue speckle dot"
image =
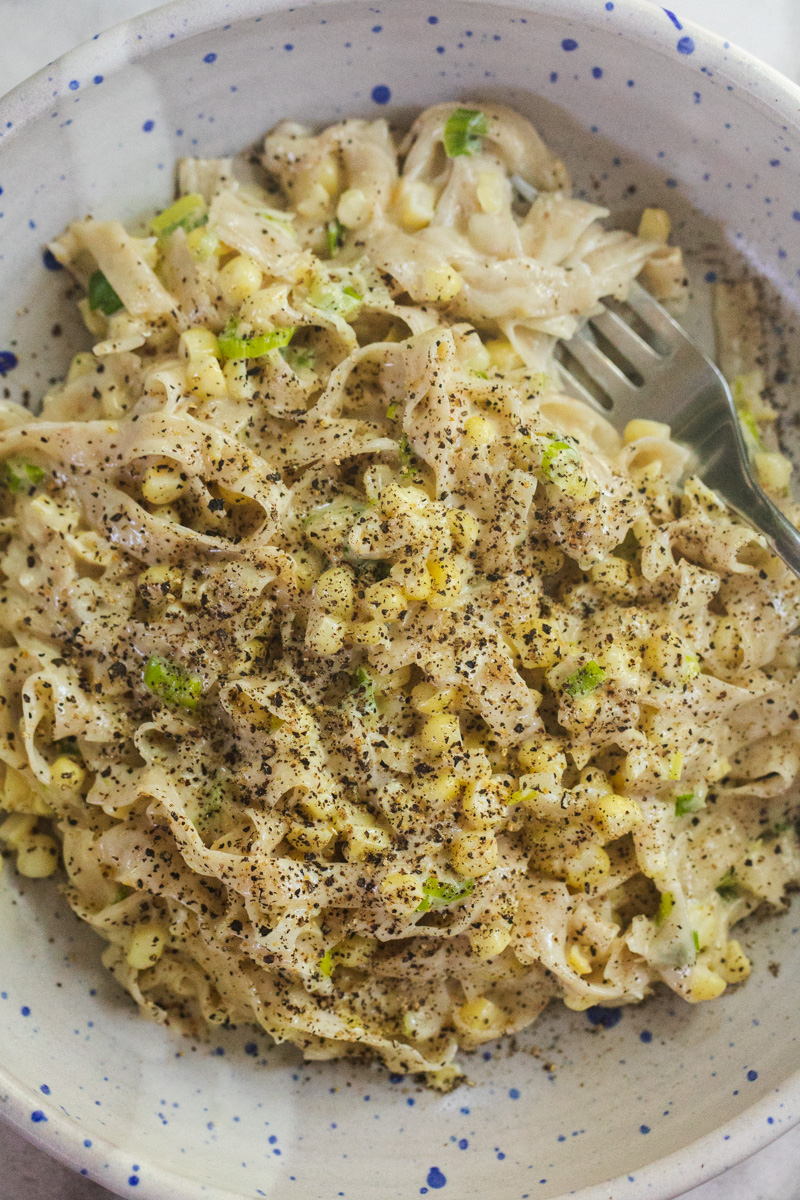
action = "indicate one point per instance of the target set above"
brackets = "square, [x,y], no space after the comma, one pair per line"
[7,363]
[37,1116]
[710,276]
[433,20]
[396,1078]
[73,85]
[411,1102]
[644,1129]
[463,1143]
[382,94]
[435,1178]
[210,57]
[44,1089]
[607,1017]
[697,97]
[609,5]
[770,1120]
[569,44]
[133,1180]
[752,1076]
[673,18]
[251,1048]
[500,1155]
[553,76]
[796,217]
[31,224]
[148,125]
[597,72]
[671,183]
[98,79]
[289,46]
[51,262]
[514,1093]
[774,162]
[377,28]
[87,1142]
[272,1139]
[685,45]
[440,49]
[631,83]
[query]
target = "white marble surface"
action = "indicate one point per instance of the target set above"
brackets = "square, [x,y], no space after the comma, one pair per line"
[37,31]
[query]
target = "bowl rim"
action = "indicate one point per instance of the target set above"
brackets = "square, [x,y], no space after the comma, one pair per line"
[126,43]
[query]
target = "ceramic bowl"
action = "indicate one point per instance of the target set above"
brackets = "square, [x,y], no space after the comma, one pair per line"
[645,1101]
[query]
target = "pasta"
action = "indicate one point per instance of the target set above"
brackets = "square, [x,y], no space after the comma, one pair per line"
[372,689]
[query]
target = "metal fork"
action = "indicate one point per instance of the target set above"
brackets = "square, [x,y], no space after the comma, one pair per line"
[668,378]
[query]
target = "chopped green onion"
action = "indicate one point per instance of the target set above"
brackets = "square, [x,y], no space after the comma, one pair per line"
[408,459]
[523,796]
[332,297]
[121,893]
[363,682]
[560,461]
[172,684]
[233,346]
[334,236]
[665,907]
[392,411]
[727,886]
[207,245]
[480,374]
[19,475]
[325,964]
[696,940]
[585,680]
[437,894]
[189,212]
[299,358]
[463,132]
[688,803]
[102,295]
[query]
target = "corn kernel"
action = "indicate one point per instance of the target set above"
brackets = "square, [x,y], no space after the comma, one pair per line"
[774,471]
[401,892]
[578,961]
[669,657]
[615,815]
[705,984]
[353,208]
[490,191]
[202,243]
[366,839]
[480,1016]
[239,278]
[414,578]
[447,581]
[162,484]
[438,285]
[19,796]
[370,633]
[440,733]
[735,965]
[324,635]
[16,829]
[315,203]
[329,175]
[502,354]
[430,698]
[417,202]
[334,593]
[440,789]
[464,528]
[545,754]
[640,428]
[37,857]
[480,431]
[198,343]
[654,225]
[146,946]
[614,578]
[538,643]
[588,867]
[484,806]
[240,383]
[204,378]
[67,774]
[387,599]
[473,854]
[489,940]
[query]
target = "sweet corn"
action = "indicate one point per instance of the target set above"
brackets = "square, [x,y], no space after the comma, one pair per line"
[735,965]
[669,657]
[447,581]
[315,203]
[37,856]
[479,430]
[502,354]
[484,806]
[67,774]
[673,766]
[401,892]
[417,204]
[202,243]
[204,378]
[16,829]
[641,428]
[588,867]
[366,839]
[429,698]
[324,634]
[19,796]
[334,593]
[538,643]
[464,528]
[543,755]
[146,946]
[370,633]
[353,208]
[438,285]
[489,940]
[329,175]
[480,1016]
[162,484]
[615,815]
[198,343]
[774,471]
[414,578]
[440,733]
[654,225]
[239,382]
[440,789]
[578,961]
[387,599]
[615,579]
[705,984]
[490,191]
[239,278]
[474,854]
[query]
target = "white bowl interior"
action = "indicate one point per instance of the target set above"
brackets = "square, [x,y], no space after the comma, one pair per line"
[641,118]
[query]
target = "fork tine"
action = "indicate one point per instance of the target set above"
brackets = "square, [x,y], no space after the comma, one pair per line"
[654,315]
[632,348]
[575,388]
[609,377]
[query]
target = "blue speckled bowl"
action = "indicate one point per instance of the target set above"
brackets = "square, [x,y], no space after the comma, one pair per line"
[645,110]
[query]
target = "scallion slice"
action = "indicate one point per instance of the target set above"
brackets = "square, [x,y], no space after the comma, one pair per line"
[102,295]
[464,131]
[172,684]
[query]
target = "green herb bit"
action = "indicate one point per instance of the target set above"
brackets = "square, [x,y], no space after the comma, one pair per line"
[408,459]
[231,345]
[665,907]
[102,295]
[585,680]
[480,374]
[68,745]
[189,212]
[464,131]
[299,358]
[172,684]
[19,475]
[437,894]
[560,460]
[727,887]
[121,893]
[363,682]
[334,236]
[688,803]
[325,964]
[696,940]
[393,410]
